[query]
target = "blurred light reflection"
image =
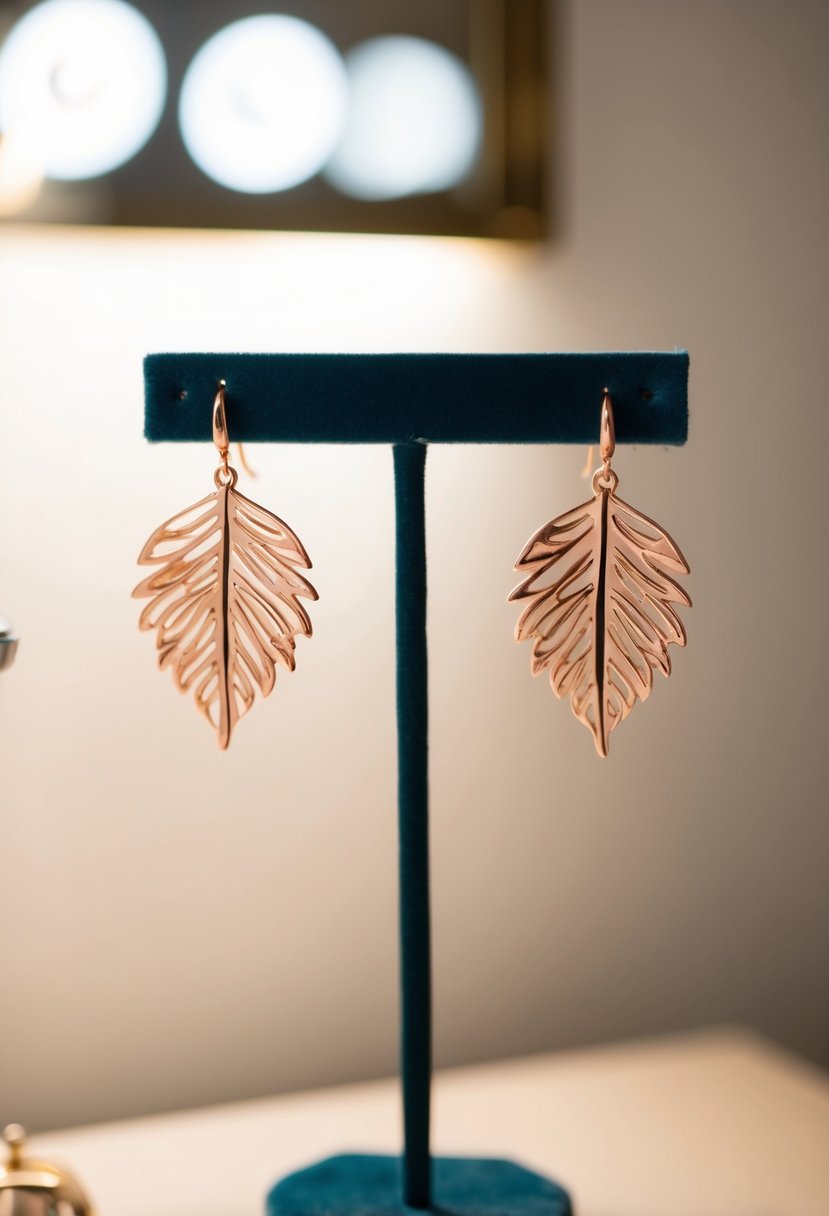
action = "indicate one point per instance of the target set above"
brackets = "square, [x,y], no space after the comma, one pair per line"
[21,177]
[263,103]
[84,81]
[415,120]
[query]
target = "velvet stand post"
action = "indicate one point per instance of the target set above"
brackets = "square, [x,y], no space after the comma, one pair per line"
[409,401]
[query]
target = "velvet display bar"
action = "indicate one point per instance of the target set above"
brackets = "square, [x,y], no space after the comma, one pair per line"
[409,401]
[433,398]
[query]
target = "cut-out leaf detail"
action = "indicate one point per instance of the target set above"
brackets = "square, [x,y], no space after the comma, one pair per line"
[599,598]
[224,598]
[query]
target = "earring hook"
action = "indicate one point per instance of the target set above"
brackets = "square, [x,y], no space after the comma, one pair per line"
[221,438]
[607,441]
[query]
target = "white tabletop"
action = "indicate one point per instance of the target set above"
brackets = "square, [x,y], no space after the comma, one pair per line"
[717,1124]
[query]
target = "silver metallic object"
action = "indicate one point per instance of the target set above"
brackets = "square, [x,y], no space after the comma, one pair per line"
[8,649]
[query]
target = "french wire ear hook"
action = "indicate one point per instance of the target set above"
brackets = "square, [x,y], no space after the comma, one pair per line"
[221,436]
[607,439]
[243,461]
[607,436]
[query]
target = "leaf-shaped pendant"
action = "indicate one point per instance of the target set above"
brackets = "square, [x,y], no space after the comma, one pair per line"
[599,597]
[225,599]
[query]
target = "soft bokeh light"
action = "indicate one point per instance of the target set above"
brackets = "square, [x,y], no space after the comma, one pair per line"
[414,123]
[85,82]
[21,177]
[263,104]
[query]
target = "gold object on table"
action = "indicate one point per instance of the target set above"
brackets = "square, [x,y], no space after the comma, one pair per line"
[36,1188]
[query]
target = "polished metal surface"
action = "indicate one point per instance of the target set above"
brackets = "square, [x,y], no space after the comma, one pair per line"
[8,649]
[224,597]
[599,596]
[37,1188]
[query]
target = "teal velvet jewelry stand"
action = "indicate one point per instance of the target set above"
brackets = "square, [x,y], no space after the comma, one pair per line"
[409,401]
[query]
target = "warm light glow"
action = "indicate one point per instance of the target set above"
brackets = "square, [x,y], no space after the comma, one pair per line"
[263,104]
[20,176]
[85,81]
[414,123]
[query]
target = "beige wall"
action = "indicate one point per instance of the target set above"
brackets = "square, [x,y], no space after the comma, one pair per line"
[181,926]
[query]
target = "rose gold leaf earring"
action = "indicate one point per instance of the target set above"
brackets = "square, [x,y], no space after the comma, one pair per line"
[225,595]
[598,601]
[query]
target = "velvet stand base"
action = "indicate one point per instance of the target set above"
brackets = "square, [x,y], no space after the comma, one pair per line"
[372,1186]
